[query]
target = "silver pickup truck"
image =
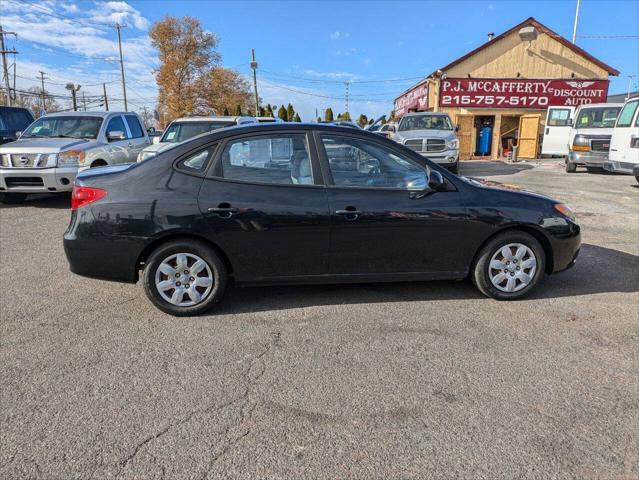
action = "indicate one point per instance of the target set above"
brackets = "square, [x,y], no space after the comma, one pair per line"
[432,135]
[49,153]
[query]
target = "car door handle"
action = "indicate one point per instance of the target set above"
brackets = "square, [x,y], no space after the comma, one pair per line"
[130,145]
[351,213]
[224,211]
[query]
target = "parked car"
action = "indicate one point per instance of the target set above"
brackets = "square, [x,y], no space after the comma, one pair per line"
[12,121]
[184,128]
[590,133]
[387,130]
[624,144]
[195,217]
[432,135]
[49,153]
[269,120]
[556,139]
[343,123]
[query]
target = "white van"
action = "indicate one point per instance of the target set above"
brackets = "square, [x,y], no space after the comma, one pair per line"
[557,131]
[624,144]
[589,140]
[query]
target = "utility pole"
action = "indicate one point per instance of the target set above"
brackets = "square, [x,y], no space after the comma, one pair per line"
[574,30]
[254,68]
[5,64]
[118,27]
[106,101]
[74,89]
[42,78]
[348,85]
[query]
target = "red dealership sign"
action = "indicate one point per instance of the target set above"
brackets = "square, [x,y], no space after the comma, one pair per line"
[520,93]
[416,99]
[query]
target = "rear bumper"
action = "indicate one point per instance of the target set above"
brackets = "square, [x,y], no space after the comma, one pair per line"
[37,180]
[589,159]
[93,254]
[622,167]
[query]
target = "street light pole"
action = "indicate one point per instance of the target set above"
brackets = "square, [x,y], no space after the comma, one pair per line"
[574,29]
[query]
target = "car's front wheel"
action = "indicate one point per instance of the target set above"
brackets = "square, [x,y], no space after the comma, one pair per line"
[571,167]
[184,277]
[509,266]
[12,198]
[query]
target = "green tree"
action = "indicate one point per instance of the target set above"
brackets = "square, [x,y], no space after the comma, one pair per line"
[262,112]
[238,110]
[328,115]
[319,119]
[281,113]
[269,111]
[290,112]
[297,117]
[346,117]
[391,117]
[226,112]
[362,120]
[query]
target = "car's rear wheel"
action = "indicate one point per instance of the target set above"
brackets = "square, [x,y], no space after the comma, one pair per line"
[571,167]
[509,266]
[184,277]
[12,198]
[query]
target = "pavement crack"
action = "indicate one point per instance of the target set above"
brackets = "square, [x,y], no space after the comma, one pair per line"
[252,375]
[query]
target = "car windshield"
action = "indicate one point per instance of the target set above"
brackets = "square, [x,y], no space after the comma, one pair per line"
[179,131]
[603,117]
[425,122]
[64,127]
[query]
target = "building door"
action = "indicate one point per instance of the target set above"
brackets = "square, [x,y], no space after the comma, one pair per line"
[465,135]
[528,136]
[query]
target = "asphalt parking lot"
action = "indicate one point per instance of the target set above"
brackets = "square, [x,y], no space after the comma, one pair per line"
[410,380]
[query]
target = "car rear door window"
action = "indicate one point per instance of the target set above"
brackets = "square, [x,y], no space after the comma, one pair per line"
[134,126]
[276,159]
[355,162]
[196,162]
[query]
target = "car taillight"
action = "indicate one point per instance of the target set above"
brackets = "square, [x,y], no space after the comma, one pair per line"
[82,196]
[634,142]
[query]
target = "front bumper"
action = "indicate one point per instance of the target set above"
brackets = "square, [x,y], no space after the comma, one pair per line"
[37,180]
[622,167]
[564,237]
[589,159]
[446,158]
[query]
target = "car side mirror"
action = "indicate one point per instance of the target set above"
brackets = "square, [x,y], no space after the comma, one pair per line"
[18,133]
[392,128]
[436,180]
[115,135]
[156,139]
[457,128]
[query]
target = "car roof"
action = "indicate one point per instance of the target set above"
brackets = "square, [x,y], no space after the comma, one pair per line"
[413,114]
[230,118]
[88,114]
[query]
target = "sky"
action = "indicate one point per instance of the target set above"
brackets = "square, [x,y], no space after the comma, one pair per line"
[306,50]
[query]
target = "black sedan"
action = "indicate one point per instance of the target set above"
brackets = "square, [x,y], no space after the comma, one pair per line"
[291,204]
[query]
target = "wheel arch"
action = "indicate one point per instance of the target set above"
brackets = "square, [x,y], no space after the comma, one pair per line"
[529,229]
[170,237]
[100,162]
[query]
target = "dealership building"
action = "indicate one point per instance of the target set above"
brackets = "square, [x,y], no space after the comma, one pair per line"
[500,93]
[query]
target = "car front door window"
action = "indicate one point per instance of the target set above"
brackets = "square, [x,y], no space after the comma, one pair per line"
[116,125]
[355,162]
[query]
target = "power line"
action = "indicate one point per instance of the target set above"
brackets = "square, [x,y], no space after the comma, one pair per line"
[60,15]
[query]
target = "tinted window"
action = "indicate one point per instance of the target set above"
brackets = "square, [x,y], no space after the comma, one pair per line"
[558,117]
[196,162]
[425,122]
[628,111]
[64,126]
[279,159]
[180,131]
[360,163]
[134,126]
[116,125]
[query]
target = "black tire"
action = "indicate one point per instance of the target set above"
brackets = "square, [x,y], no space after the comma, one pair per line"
[637,178]
[570,167]
[12,198]
[454,169]
[480,272]
[189,246]
[594,170]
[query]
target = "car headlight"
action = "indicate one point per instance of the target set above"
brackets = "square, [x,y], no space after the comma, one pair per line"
[4,160]
[581,143]
[452,144]
[71,157]
[565,211]
[144,155]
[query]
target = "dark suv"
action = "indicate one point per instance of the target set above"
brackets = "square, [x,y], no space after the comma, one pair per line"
[12,121]
[339,205]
